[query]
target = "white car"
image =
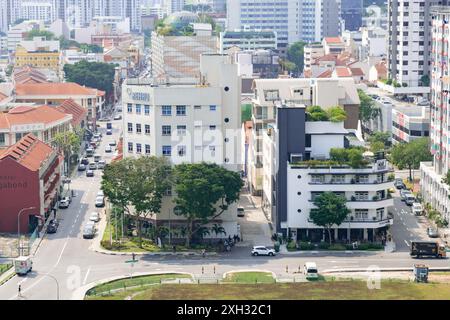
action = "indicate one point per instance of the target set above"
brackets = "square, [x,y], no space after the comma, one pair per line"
[64,203]
[310,270]
[108,149]
[100,193]
[262,251]
[417,208]
[100,201]
[94,217]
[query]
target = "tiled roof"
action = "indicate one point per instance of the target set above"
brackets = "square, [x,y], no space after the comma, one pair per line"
[333,40]
[343,72]
[357,72]
[325,74]
[53,89]
[29,75]
[29,152]
[73,108]
[30,115]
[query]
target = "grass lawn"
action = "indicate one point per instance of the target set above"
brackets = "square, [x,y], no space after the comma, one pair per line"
[5,267]
[136,281]
[342,290]
[250,277]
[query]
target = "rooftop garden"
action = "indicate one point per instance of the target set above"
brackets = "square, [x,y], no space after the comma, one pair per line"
[342,157]
[333,114]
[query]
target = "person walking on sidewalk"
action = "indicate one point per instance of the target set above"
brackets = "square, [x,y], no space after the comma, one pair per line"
[203,253]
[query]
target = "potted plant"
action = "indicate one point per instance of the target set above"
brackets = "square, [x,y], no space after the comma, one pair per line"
[353,198]
[376,198]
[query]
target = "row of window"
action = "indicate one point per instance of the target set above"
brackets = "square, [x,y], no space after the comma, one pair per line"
[166,150]
[165,110]
[166,130]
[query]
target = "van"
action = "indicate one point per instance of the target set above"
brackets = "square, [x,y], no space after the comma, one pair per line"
[417,209]
[410,199]
[310,270]
[97,157]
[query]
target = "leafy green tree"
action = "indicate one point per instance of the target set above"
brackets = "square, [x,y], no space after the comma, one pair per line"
[336,114]
[68,143]
[90,48]
[40,33]
[331,210]
[97,75]
[377,146]
[246,112]
[316,113]
[287,65]
[446,178]
[383,137]
[368,109]
[203,192]
[410,155]
[217,229]
[295,54]
[137,186]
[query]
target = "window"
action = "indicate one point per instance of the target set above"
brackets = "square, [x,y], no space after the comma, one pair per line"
[317,178]
[166,130]
[147,110]
[197,107]
[2,139]
[138,109]
[138,148]
[181,151]
[361,214]
[147,129]
[212,108]
[138,128]
[168,192]
[212,149]
[314,195]
[181,110]
[147,149]
[181,130]
[130,127]
[308,141]
[166,110]
[130,108]
[338,178]
[361,195]
[380,213]
[362,178]
[212,127]
[130,147]
[167,150]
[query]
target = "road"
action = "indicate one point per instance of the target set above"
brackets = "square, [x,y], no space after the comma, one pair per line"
[67,257]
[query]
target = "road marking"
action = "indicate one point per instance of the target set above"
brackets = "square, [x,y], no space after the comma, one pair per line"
[22,281]
[406,243]
[60,255]
[86,276]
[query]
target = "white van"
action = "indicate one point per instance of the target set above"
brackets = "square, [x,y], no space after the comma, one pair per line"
[310,270]
[417,209]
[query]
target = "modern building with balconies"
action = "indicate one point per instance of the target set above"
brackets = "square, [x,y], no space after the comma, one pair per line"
[300,168]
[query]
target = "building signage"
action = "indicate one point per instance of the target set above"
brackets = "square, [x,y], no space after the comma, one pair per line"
[138,96]
[28,127]
[9,182]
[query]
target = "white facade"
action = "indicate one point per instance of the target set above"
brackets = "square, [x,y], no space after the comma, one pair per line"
[174,5]
[248,40]
[374,43]
[43,10]
[192,122]
[74,56]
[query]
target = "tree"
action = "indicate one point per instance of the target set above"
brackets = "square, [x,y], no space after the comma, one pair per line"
[383,137]
[295,54]
[218,229]
[377,146]
[203,192]
[316,113]
[287,65]
[137,186]
[409,155]
[69,143]
[331,210]
[97,75]
[368,109]
[40,33]
[336,114]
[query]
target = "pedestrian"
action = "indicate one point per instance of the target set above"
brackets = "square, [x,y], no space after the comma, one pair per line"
[203,253]
[19,290]
[134,255]
[174,248]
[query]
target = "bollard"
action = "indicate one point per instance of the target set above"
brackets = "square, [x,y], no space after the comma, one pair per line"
[299,269]
[287,269]
[203,270]
[214,269]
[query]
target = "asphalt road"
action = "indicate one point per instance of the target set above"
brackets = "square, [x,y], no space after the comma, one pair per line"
[66,255]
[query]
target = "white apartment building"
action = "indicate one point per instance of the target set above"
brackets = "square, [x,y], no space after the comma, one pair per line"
[174,5]
[187,122]
[268,92]
[43,10]
[74,56]
[433,190]
[291,184]
[248,40]
[311,52]
[375,17]
[9,13]
[17,33]
[409,43]
[373,43]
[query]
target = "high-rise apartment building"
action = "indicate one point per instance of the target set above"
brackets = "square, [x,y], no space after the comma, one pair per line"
[9,13]
[174,5]
[351,13]
[409,24]
[433,190]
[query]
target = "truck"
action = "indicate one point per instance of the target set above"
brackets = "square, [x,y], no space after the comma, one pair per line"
[427,248]
[23,265]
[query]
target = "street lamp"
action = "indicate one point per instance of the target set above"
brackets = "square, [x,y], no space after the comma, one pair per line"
[18,226]
[57,285]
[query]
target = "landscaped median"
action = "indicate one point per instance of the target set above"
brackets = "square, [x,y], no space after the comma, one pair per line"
[260,285]
[5,269]
[307,246]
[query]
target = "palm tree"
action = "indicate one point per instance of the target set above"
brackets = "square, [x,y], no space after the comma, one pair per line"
[218,229]
[203,231]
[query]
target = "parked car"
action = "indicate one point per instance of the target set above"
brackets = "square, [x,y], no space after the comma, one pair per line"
[108,149]
[101,164]
[52,226]
[417,208]
[100,202]
[92,166]
[240,212]
[432,233]
[404,193]
[89,173]
[84,161]
[112,143]
[95,217]
[399,184]
[310,270]
[100,193]
[89,231]
[109,132]
[81,167]
[262,251]
[410,199]
[117,117]
[64,204]
[97,157]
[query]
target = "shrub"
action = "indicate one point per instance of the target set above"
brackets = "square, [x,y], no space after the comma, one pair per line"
[337,114]
[391,177]
[377,246]
[306,246]
[337,246]
[363,246]
[292,245]
[324,245]
[389,82]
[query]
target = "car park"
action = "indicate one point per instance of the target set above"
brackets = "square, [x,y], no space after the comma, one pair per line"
[89,231]
[63,204]
[95,217]
[89,173]
[81,167]
[240,212]
[52,226]
[262,251]
[432,233]
[101,164]
[100,202]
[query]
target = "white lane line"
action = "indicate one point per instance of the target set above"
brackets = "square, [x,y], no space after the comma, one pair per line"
[86,276]
[60,255]
[406,243]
